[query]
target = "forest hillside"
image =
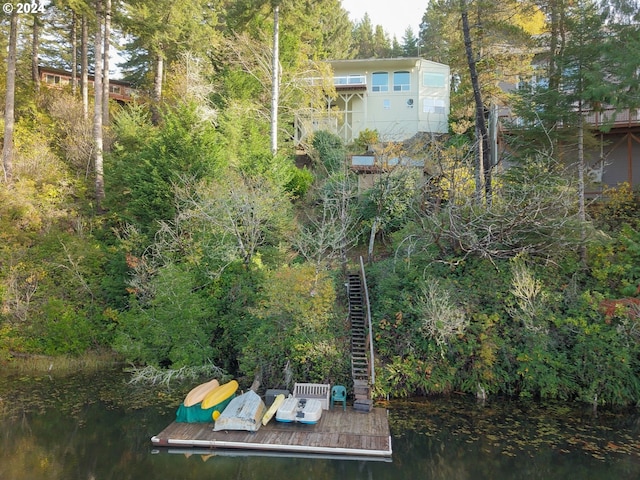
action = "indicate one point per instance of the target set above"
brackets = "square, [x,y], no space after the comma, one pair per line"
[185,227]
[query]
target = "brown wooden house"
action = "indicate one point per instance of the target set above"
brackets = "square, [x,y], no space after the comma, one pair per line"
[119,90]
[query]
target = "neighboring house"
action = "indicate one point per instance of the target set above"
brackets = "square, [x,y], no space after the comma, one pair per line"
[397,97]
[615,158]
[119,90]
[618,155]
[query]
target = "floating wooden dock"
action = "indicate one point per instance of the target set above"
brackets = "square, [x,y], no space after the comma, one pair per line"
[346,433]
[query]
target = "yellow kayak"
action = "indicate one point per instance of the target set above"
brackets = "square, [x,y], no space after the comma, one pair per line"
[197,394]
[279,400]
[219,394]
[219,408]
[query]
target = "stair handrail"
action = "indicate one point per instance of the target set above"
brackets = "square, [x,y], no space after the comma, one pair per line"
[370,336]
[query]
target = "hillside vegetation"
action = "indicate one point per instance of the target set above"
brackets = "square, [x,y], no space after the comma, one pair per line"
[211,248]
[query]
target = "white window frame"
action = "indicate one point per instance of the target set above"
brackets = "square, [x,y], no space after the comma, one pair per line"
[401,87]
[380,87]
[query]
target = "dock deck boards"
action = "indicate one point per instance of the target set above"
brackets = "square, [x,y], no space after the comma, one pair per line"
[338,432]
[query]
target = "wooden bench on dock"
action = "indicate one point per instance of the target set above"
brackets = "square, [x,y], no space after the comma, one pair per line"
[318,391]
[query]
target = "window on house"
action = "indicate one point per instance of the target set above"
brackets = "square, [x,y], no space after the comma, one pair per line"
[436,80]
[434,105]
[114,89]
[380,82]
[533,82]
[401,81]
[386,104]
[54,79]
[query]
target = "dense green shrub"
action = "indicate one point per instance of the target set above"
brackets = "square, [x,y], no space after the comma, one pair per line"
[173,329]
[300,337]
[330,150]
[142,175]
[530,332]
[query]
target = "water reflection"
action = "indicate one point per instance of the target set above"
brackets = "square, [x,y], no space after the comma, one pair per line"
[98,427]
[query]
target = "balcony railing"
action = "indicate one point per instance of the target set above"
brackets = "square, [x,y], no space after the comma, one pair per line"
[595,119]
[351,80]
[342,81]
[624,118]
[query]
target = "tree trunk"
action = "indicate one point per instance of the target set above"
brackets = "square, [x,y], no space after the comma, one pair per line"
[157,89]
[84,62]
[582,215]
[275,80]
[372,239]
[97,110]
[74,54]
[483,158]
[9,119]
[35,46]
[105,70]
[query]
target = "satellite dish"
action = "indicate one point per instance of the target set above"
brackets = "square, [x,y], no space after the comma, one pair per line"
[410,102]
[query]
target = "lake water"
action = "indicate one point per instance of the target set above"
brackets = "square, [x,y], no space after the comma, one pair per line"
[97,426]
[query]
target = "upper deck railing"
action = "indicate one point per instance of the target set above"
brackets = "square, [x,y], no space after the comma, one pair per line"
[608,117]
[342,81]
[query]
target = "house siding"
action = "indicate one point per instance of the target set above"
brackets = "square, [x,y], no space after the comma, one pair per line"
[397,112]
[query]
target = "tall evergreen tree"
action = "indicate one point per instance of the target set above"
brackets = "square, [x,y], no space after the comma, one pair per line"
[105,63]
[483,167]
[577,73]
[381,43]
[396,48]
[97,107]
[492,50]
[275,77]
[370,41]
[363,40]
[161,30]
[409,43]
[9,105]
[35,50]
[84,64]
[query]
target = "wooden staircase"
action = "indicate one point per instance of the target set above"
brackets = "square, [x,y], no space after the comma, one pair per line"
[360,368]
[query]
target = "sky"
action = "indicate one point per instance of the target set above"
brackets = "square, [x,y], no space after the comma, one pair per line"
[394,15]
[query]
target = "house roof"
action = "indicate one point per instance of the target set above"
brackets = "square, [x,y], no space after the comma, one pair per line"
[384,62]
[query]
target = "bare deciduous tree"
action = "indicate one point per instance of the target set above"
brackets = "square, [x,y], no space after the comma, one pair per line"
[247,210]
[440,317]
[531,299]
[535,214]
[324,239]
[21,285]
[295,95]
[76,131]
